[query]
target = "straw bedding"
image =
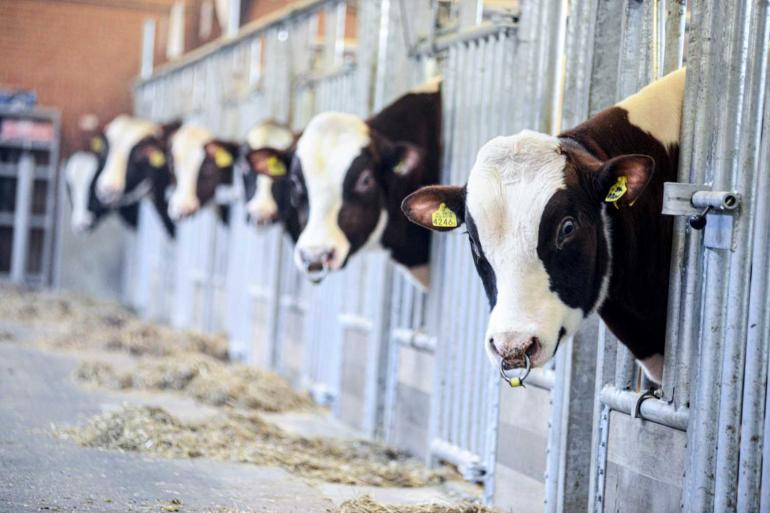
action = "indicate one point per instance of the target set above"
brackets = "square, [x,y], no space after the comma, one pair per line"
[206,379]
[246,438]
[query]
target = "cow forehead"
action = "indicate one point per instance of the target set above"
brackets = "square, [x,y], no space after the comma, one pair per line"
[124,132]
[269,135]
[187,146]
[81,168]
[508,189]
[329,145]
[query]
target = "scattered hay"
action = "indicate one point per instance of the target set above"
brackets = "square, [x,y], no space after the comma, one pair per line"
[86,324]
[368,505]
[248,439]
[203,378]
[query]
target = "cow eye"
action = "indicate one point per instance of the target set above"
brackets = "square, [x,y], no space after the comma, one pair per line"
[567,229]
[365,182]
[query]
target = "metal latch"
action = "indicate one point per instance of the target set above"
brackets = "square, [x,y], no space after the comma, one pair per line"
[703,207]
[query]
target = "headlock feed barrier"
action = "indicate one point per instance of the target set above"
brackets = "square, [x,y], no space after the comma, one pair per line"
[407,365]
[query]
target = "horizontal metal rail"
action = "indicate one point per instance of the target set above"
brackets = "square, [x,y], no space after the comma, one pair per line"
[276,19]
[652,408]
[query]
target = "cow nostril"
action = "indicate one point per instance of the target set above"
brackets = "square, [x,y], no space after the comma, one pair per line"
[534,347]
[315,267]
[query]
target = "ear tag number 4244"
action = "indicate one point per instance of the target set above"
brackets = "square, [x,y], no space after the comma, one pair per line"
[617,191]
[444,217]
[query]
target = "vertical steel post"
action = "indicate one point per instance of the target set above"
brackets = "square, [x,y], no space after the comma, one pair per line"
[148,48]
[21,218]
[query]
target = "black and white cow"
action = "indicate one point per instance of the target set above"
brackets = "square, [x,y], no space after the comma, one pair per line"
[200,163]
[548,245]
[350,175]
[136,165]
[266,181]
[81,170]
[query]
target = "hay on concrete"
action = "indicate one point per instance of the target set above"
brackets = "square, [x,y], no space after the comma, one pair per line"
[206,379]
[248,439]
[368,505]
[78,323]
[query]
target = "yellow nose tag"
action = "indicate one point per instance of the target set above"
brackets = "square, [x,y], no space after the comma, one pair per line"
[157,159]
[222,158]
[444,217]
[515,382]
[617,191]
[97,145]
[275,167]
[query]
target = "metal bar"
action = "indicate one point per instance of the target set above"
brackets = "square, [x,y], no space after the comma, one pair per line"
[148,48]
[653,410]
[20,242]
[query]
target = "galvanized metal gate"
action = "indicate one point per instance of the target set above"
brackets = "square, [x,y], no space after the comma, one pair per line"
[363,340]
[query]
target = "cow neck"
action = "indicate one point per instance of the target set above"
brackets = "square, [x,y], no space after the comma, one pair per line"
[414,118]
[640,236]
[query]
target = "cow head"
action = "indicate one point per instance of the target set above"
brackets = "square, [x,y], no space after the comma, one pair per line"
[80,173]
[535,211]
[342,170]
[135,153]
[200,163]
[265,177]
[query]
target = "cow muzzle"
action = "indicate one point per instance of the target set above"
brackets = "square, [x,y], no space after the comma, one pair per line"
[261,216]
[315,262]
[510,350]
[82,225]
[108,193]
[180,208]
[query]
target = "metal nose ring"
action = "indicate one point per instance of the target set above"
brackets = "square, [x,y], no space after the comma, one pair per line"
[516,381]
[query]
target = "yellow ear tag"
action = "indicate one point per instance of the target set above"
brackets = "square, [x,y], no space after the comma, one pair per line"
[515,382]
[223,158]
[97,145]
[617,191]
[444,217]
[157,159]
[275,167]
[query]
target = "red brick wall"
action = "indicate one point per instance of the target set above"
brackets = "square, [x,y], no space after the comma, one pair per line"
[80,56]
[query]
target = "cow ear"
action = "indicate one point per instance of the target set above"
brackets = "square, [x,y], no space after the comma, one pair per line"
[168,129]
[623,179]
[403,158]
[222,152]
[436,207]
[268,162]
[154,155]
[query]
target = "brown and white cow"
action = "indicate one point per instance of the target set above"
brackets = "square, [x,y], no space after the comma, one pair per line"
[81,171]
[350,175]
[135,165]
[200,163]
[548,241]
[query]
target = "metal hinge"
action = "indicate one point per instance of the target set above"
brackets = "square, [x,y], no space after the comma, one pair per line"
[704,208]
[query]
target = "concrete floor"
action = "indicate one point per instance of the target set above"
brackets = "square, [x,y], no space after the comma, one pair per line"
[39,472]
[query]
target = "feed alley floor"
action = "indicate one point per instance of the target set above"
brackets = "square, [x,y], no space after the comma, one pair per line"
[42,472]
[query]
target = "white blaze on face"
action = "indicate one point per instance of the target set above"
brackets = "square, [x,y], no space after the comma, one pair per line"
[508,189]
[79,171]
[326,149]
[122,133]
[262,207]
[188,150]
